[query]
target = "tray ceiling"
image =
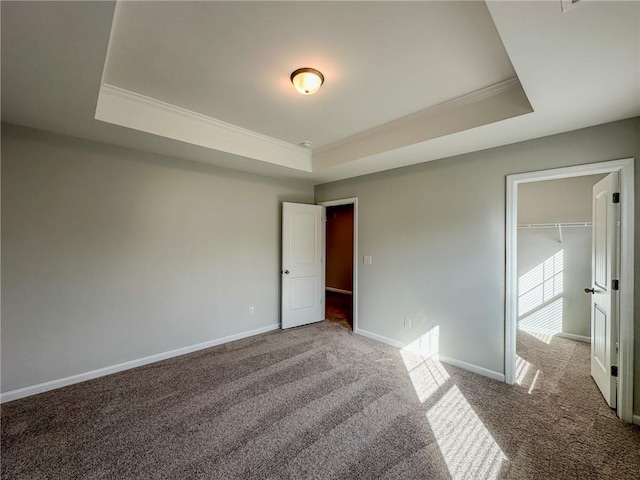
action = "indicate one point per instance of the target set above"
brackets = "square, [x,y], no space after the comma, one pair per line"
[406,82]
[231,60]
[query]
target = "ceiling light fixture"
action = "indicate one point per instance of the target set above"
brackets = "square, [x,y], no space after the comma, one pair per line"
[307,80]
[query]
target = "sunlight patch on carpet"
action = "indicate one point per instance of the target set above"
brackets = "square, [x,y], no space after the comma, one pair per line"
[522,368]
[466,445]
[526,374]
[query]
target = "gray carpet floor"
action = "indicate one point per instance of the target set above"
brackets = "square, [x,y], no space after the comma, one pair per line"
[319,402]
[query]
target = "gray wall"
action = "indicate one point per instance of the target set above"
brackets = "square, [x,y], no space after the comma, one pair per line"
[110,255]
[436,232]
[536,246]
[557,201]
[560,201]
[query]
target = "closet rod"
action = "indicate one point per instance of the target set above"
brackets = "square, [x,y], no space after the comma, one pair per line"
[555,225]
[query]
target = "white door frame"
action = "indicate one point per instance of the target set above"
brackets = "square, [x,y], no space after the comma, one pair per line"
[354,299]
[625,360]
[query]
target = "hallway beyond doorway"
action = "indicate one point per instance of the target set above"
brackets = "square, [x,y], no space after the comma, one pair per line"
[339,308]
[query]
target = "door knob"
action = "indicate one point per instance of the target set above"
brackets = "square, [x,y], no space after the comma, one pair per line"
[286,272]
[589,290]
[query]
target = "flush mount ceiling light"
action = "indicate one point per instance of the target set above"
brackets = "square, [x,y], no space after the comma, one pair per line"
[307,80]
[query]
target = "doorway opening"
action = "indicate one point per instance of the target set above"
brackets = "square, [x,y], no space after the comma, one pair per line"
[341,262]
[554,221]
[536,293]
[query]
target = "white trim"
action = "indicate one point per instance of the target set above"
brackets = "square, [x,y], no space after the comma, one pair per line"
[626,325]
[485,372]
[511,282]
[627,263]
[571,336]
[107,56]
[381,339]
[350,201]
[570,172]
[503,100]
[191,115]
[636,419]
[338,290]
[337,203]
[101,372]
[449,105]
[134,110]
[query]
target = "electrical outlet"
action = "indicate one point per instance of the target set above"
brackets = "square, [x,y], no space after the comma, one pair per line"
[251,311]
[407,322]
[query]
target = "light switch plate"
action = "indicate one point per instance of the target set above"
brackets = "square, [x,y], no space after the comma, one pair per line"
[367,259]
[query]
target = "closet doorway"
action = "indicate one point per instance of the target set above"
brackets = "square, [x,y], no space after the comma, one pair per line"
[622,342]
[554,266]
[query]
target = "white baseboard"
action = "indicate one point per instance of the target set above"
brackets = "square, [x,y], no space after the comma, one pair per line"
[338,290]
[571,336]
[380,338]
[485,372]
[636,419]
[451,361]
[101,372]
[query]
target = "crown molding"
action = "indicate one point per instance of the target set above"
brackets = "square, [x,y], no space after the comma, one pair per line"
[133,110]
[496,102]
[453,104]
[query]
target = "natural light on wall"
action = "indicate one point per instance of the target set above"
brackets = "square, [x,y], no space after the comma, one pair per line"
[466,445]
[544,323]
[425,371]
[539,308]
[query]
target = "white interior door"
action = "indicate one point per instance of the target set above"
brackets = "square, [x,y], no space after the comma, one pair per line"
[303,237]
[604,306]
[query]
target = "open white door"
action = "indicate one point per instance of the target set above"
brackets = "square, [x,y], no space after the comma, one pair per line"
[302,264]
[604,301]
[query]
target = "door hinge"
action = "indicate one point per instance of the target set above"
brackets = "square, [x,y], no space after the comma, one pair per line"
[615,285]
[614,371]
[616,197]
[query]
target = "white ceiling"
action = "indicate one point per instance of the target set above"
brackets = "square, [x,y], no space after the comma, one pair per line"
[232,60]
[208,81]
